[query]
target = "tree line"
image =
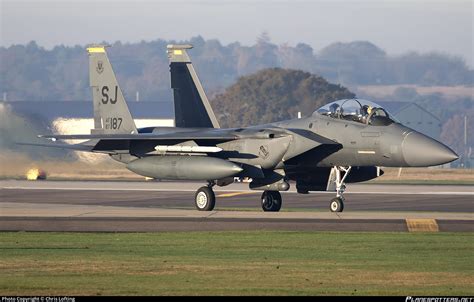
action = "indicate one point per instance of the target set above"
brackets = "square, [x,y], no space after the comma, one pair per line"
[30,72]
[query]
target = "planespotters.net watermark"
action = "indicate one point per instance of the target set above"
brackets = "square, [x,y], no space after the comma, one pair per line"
[438,299]
[38,299]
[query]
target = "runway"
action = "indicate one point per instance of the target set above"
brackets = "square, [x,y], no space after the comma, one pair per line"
[168,206]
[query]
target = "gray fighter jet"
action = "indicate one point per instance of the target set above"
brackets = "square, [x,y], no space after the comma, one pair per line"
[343,142]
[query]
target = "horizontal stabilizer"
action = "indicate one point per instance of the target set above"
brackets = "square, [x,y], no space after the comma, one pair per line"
[75,147]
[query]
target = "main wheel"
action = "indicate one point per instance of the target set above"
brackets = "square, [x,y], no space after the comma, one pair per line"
[271,201]
[205,199]
[336,205]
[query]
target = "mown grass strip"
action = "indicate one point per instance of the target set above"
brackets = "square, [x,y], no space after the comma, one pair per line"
[236,263]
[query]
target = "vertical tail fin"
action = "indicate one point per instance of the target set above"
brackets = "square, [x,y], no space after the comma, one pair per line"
[111,114]
[191,106]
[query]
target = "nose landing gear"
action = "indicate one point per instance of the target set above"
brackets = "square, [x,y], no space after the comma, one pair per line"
[339,174]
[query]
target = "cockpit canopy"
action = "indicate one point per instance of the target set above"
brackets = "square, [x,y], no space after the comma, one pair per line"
[357,110]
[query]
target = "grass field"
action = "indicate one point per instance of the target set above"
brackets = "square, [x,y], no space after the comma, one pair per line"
[236,263]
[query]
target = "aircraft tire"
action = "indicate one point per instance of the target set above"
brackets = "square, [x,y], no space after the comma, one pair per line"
[271,201]
[205,199]
[336,205]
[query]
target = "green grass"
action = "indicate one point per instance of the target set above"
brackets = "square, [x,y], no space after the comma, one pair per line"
[236,263]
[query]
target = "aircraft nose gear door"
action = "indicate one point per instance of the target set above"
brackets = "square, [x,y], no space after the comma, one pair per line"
[336,183]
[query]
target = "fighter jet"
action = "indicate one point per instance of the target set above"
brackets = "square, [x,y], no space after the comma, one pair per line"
[343,142]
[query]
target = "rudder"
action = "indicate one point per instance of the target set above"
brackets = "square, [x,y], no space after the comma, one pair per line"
[192,108]
[111,113]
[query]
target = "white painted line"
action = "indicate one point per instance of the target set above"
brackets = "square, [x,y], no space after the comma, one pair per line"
[103,189]
[224,190]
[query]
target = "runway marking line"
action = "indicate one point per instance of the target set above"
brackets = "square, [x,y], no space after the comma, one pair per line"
[248,192]
[235,194]
[422,225]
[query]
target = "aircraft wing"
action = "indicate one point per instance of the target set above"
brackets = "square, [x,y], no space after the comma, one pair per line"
[142,142]
[146,142]
[145,136]
[214,135]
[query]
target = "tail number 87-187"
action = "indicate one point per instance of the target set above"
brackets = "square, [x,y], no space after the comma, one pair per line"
[113,122]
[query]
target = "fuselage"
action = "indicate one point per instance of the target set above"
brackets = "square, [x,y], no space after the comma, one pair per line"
[393,145]
[345,133]
[360,144]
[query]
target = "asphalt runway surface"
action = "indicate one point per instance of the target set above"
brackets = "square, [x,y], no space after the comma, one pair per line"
[169,206]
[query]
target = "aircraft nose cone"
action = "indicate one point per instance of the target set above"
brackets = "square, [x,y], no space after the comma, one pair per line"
[422,151]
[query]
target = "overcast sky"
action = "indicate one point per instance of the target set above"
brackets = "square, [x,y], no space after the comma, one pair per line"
[396,26]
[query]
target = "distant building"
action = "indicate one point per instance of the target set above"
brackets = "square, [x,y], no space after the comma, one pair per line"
[73,117]
[416,117]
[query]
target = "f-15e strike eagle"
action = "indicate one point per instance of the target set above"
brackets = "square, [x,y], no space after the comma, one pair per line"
[342,142]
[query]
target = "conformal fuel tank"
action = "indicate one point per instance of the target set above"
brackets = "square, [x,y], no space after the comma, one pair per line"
[184,167]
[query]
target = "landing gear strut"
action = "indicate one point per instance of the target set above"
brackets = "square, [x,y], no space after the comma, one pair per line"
[205,199]
[337,204]
[271,201]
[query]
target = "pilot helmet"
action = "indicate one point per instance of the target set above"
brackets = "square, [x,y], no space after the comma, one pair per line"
[333,108]
[367,109]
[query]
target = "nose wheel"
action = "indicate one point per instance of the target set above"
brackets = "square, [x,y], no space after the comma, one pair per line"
[336,205]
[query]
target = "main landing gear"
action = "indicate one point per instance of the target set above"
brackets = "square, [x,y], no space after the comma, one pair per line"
[271,201]
[205,199]
[337,204]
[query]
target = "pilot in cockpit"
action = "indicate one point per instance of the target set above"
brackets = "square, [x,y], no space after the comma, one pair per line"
[359,111]
[366,110]
[334,109]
